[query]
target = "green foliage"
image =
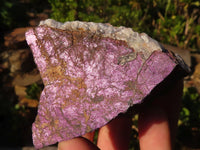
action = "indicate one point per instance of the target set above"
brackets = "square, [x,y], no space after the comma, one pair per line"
[190,113]
[134,143]
[5,15]
[189,120]
[169,21]
[33,91]
[177,25]
[14,122]
[63,10]
[120,12]
[12,14]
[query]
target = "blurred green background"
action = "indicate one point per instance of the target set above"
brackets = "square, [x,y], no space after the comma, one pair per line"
[174,22]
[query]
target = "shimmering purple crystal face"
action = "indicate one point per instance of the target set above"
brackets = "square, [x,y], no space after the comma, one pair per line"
[89,79]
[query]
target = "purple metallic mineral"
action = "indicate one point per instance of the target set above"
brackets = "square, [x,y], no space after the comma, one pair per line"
[92,72]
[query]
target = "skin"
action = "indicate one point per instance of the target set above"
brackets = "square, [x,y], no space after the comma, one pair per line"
[157,126]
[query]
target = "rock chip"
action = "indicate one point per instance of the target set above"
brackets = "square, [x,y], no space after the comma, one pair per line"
[92,72]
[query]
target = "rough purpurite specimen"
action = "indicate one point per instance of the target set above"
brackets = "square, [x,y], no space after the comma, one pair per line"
[92,72]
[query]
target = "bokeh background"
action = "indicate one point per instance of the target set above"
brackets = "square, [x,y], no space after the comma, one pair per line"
[175,23]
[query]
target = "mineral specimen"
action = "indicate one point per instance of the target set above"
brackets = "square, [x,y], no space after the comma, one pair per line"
[92,72]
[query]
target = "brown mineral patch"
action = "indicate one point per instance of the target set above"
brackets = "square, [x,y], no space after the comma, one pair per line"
[75,93]
[87,117]
[43,125]
[79,82]
[130,85]
[54,73]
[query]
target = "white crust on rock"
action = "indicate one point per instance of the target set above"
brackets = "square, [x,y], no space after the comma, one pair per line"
[139,42]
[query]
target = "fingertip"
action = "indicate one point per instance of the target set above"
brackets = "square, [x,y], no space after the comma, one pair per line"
[154,132]
[77,144]
[116,134]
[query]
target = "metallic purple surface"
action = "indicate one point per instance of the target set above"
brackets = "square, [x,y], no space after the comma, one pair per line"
[89,79]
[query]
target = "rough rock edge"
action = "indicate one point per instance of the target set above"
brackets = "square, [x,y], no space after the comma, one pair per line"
[139,42]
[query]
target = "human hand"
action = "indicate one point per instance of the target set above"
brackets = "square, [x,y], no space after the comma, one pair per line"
[113,136]
[157,126]
[158,119]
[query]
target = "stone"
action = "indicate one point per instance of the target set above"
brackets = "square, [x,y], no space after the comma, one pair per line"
[20,91]
[196,77]
[196,58]
[27,78]
[184,53]
[17,61]
[37,18]
[92,72]
[16,39]
[32,103]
